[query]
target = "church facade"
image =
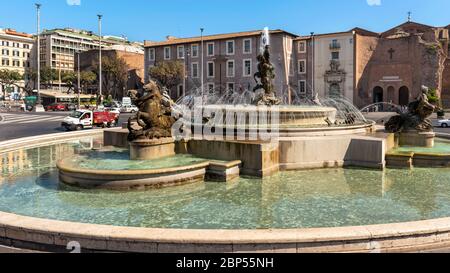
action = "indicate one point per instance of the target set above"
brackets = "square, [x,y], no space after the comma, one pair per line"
[394,65]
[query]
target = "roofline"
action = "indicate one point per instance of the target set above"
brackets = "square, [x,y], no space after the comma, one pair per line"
[357,29]
[211,37]
[408,22]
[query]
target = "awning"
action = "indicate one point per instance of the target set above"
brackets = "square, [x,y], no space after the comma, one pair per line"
[59,95]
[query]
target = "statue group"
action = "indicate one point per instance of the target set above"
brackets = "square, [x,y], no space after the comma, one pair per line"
[416,118]
[264,80]
[156,114]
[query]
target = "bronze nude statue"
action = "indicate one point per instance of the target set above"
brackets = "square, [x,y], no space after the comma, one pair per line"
[264,80]
[155,117]
[416,118]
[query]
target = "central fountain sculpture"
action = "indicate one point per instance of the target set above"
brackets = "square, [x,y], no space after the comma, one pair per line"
[414,127]
[265,76]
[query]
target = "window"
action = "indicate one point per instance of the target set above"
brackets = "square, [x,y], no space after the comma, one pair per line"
[210,67]
[335,55]
[5,62]
[302,87]
[5,52]
[302,66]
[210,49]
[210,87]
[247,68]
[194,70]
[247,46]
[230,69]
[180,52]
[16,53]
[167,53]
[194,50]
[230,86]
[230,47]
[26,46]
[302,47]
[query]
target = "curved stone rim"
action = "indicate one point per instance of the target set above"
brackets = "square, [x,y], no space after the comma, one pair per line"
[407,236]
[70,169]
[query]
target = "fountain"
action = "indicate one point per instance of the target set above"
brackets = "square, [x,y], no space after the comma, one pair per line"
[146,187]
[413,127]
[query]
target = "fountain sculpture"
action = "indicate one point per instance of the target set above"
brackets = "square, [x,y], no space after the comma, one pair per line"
[150,130]
[413,127]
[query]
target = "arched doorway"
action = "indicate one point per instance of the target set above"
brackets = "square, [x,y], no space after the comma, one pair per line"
[391,94]
[377,94]
[335,90]
[403,96]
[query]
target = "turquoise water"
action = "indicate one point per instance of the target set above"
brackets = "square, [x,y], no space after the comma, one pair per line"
[320,198]
[119,159]
[441,146]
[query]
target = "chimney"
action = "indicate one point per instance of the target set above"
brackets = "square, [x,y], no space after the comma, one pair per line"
[169,38]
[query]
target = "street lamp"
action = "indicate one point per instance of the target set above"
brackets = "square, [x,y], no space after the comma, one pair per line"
[202,79]
[313,92]
[100,78]
[79,77]
[38,10]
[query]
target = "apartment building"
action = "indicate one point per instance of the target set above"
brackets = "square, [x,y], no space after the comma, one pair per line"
[59,46]
[229,60]
[17,55]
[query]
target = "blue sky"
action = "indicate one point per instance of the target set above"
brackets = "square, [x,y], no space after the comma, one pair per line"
[154,19]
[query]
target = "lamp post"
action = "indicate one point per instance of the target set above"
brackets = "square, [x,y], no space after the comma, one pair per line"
[100,78]
[79,75]
[313,92]
[202,78]
[186,56]
[38,10]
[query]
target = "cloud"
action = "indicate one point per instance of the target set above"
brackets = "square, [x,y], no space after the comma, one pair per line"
[74,2]
[374,2]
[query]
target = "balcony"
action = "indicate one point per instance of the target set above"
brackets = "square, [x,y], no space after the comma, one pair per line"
[335,46]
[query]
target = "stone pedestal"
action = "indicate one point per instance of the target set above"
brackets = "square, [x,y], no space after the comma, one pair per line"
[415,138]
[152,149]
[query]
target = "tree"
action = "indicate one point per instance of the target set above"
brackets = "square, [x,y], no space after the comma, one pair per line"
[169,73]
[87,78]
[10,78]
[115,75]
[69,78]
[433,97]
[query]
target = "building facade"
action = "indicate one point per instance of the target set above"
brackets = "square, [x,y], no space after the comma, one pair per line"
[133,58]
[16,55]
[229,60]
[59,47]
[399,61]
[363,66]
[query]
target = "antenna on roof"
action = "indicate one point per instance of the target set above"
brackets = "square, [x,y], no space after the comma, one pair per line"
[409,16]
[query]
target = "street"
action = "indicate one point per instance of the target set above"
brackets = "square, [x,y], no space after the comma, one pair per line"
[17,125]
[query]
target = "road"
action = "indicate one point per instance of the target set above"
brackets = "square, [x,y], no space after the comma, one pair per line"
[17,125]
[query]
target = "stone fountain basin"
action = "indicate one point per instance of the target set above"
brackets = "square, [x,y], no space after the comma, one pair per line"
[287,116]
[212,170]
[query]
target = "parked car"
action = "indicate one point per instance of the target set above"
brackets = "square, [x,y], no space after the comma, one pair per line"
[444,123]
[129,109]
[56,107]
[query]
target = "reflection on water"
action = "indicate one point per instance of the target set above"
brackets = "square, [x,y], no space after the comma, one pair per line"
[318,198]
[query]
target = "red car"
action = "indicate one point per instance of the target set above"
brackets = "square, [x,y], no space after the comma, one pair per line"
[56,107]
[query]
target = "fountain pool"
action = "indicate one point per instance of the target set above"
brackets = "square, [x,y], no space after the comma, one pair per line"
[302,199]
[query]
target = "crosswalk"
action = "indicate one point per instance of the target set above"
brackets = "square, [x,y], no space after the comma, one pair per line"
[7,118]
